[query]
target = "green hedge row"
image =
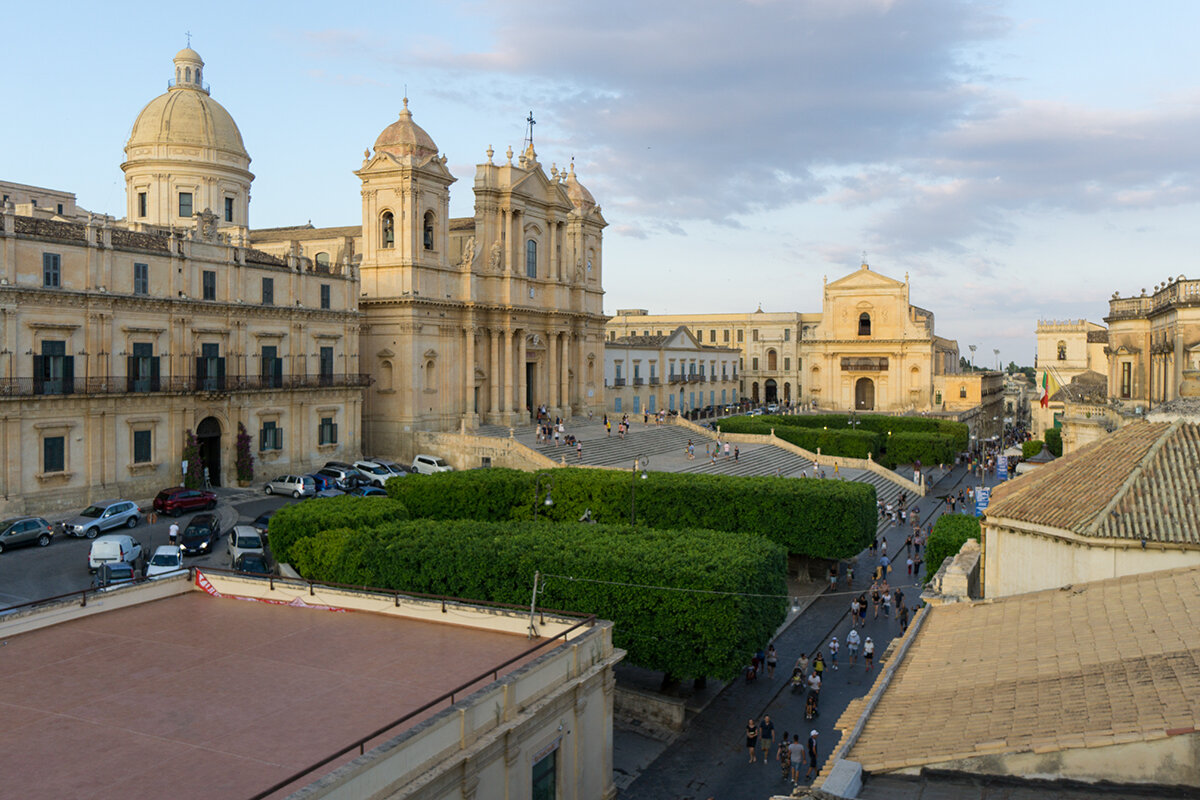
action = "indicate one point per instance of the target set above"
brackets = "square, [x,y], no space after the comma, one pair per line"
[684,634]
[837,441]
[295,522]
[1053,440]
[819,519]
[876,423]
[950,533]
[908,448]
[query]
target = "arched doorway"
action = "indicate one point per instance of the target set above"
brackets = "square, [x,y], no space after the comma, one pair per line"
[754,392]
[770,391]
[208,436]
[864,394]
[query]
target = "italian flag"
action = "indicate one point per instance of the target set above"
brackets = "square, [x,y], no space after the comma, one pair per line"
[1044,396]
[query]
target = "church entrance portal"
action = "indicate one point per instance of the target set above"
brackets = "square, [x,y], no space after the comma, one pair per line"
[208,436]
[864,394]
[770,391]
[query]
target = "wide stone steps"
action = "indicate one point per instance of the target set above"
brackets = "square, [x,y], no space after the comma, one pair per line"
[612,451]
[752,460]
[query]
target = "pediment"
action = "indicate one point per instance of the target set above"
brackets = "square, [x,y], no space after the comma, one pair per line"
[682,338]
[385,353]
[430,354]
[864,279]
[535,185]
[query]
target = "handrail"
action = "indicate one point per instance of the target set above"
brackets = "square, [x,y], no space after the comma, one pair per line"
[361,742]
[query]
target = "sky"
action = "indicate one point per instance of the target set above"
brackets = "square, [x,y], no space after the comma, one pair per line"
[1018,160]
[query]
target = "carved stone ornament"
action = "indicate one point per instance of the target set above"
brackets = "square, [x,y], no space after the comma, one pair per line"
[468,256]
[495,257]
[207,224]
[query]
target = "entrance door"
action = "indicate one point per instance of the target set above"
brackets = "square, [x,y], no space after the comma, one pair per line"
[208,435]
[530,374]
[864,394]
[770,391]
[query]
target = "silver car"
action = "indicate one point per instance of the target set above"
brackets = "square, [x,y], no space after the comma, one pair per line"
[295,485]
[24,530]
[103,516]
[244,539]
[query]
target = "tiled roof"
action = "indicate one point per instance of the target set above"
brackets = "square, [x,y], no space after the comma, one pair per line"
[1087,386]
[1102,663]
[1098,336]
[639,341]
[303,233]
[1141,482]
[462,223]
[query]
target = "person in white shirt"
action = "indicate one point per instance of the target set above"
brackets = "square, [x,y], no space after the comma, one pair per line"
[868,652]
[852,640]
[833,651]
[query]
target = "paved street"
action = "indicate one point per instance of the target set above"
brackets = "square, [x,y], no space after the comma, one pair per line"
[31,573]
[710,760]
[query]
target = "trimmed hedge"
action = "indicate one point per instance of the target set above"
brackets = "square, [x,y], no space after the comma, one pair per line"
[295,522]
[1053,439]
[684,634]
[1031,448]
[908,448]
[815,518]
[838,441]
[877,423]
[950,533]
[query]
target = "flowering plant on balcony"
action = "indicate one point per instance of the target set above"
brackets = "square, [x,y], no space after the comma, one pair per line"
[245,457]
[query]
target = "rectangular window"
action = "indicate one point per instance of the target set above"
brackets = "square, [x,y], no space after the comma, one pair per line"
[185,204]
[51,270]
[326,366]
[60,208]
[787,334]
[725,336]
[325,289]
[741,336]
[54,370]
[141,209]
[754,364]
[141,370]
[54,457]
[268,291]
[142,441]
[787,364]
[327,431]
[754,335]
[210,369]
[1127,379]
[141,278]
[712,335]
[229,209]
[208,282]
[617,404]
[270,437]
[271,367]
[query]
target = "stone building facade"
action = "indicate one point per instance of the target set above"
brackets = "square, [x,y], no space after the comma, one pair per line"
[1153,345]
[673,372]
[119,337]
[869,349]
[468,321]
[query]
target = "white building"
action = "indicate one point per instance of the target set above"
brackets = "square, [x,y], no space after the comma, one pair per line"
[672,372]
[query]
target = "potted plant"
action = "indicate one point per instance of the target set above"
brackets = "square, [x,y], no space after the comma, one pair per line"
[245,458]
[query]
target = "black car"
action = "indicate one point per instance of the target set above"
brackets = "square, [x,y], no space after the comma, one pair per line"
[200,535]
[252,564]
[263,522]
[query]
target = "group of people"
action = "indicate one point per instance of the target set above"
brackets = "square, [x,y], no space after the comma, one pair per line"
[790,754]
[622,426]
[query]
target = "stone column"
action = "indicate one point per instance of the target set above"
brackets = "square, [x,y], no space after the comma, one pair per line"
[551,372]
[508,240]
[519,405]
[468,406]
[494,373]
[506,359]
[572,398]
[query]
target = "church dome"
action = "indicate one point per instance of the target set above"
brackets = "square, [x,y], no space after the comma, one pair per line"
[580,197]
[406,138]
[186,114]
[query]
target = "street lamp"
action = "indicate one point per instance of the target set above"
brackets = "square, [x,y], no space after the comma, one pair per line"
[971,347]
[643,461]
[540,499]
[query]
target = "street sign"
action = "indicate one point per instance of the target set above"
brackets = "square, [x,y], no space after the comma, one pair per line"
[982,495]
[1002,467]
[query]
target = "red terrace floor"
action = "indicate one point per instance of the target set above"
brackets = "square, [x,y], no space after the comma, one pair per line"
[200,697]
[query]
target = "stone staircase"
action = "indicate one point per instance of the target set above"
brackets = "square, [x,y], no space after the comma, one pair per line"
[752,460]
[613,451]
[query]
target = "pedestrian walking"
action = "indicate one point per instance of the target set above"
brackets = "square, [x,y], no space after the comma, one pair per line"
[812,755]
[833,576]
[903,618]
[852,642]
[854,613]
[727,451]
[833,652]
[876,599]
[579,452]
[772,659]
[796,756]
[751,737]
[819,665]
[909,564]
[785,757]
[735,453]
[887,603]
[868,652]
[766,737]
[173,533]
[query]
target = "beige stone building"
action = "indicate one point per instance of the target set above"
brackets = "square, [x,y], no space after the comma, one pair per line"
[1154,344]
[673,372]
[976,398]
[1065,350]
[869,349]
[472,320]
[118,337]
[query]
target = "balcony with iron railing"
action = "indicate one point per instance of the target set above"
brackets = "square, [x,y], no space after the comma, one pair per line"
[639,381]
[654,381]
[618,381]
[121,384]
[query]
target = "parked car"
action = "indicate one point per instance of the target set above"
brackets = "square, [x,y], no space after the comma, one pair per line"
[263,522]
[391,466]
[343,478]
[24,530]
[114,574]
[179,499]
[114,548]
[200,535]
[321,482]
[167,560]
[103,516]
[376,474]
[328,493]
[295,485]
[244,539]
[253,564]
[368,491]
[340,465]
[772,408]
[427,465]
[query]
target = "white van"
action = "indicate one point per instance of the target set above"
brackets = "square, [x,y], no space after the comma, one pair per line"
[114,547]
[427,465]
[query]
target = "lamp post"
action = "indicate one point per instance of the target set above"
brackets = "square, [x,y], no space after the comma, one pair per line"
[971,347]
[541,498]
[643,461]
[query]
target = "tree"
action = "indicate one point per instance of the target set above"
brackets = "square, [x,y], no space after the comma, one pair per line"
[245,458]
[193,478]
[1012,368]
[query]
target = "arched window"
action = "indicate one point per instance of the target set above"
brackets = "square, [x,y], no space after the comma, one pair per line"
[915,380]
[428,230]
[187,75]
[962,391]
[322,261]
[531,267]
[177,75]
[198,76]
[772,361]
[864,324]
[1062,351]
[385,377]
[429,374]
[387,230]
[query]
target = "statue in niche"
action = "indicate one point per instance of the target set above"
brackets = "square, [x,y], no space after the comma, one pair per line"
[468,255]
[495,257]
[579,270]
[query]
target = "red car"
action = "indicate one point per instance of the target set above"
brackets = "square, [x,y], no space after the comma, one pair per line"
[178,500]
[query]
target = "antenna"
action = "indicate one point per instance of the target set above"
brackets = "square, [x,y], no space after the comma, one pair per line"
[529,123]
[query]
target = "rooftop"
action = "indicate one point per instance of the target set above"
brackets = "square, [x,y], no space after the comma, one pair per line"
[1140,482]
[1108,662]
[199,696]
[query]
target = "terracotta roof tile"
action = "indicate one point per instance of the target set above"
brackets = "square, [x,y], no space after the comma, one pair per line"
[1106,662]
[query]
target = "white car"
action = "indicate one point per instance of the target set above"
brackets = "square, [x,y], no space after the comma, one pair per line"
[114,547]
[167,560]
[427,465]
[245,539]
[376,474]
[391,466]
